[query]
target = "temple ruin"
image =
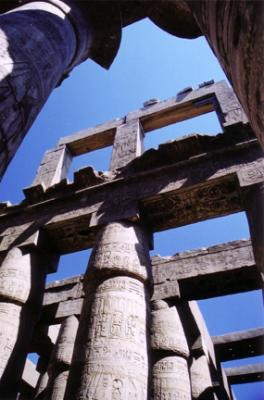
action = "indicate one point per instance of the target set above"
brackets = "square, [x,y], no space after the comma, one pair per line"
[130,327]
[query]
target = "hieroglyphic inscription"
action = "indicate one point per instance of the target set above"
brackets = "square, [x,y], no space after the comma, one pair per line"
[9,328]
[121,248]
[171,379]
[201,381]
[252,175]
[166,329]
[112,356]
[127,145]
[61,359]
[110,359]
[15,277]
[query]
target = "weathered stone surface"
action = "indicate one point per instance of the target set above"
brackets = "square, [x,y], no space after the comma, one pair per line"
[184,192]
[171,379]
[61,359]
[22,283]
[199,274]
[201,381]
[239,344]
[234,31]
[128,144]
[245,374]
[121,248]
[111,353]
[54,167]
[166,329]
[217,97]
[34,59]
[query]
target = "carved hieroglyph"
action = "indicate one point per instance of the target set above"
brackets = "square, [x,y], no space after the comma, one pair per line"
[61,359]
[171,379]
[15,274]
[22,282]
[170,376]
[110,360]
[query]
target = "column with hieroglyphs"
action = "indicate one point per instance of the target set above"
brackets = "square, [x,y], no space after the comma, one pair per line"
[40,42]
[58,369]
[22,283]
[111,356]
[170,378]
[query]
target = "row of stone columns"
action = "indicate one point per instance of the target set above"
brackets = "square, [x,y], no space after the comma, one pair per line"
[111,356]
[113,336]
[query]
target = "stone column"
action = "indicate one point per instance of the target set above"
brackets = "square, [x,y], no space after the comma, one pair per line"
[110,359]
[170,353]
[41,385]
[61,357]
[201,381]
[253,198]
[234,30]
[22,283]
[40,42]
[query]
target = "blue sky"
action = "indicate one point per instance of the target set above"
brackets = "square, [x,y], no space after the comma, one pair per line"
[150,63]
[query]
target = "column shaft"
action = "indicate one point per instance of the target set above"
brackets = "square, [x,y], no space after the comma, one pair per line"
[170,378]
[61,359]
[39,43]
[22,284]
[110,359]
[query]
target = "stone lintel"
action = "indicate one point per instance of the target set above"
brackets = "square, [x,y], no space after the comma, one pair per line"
[238,345]
[199,274]
[231,263]
[245,374]
[214,97]
[168,196]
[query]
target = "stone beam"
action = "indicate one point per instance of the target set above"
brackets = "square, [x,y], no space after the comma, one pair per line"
[199,274]
[188,103]
[182,275]
[242,344]
[245,374]
[169,194]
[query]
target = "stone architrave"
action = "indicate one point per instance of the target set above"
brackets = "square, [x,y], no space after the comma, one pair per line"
[60,362]
[201,382]
[22,284]
[170,377]
[40,42]
[110,359]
